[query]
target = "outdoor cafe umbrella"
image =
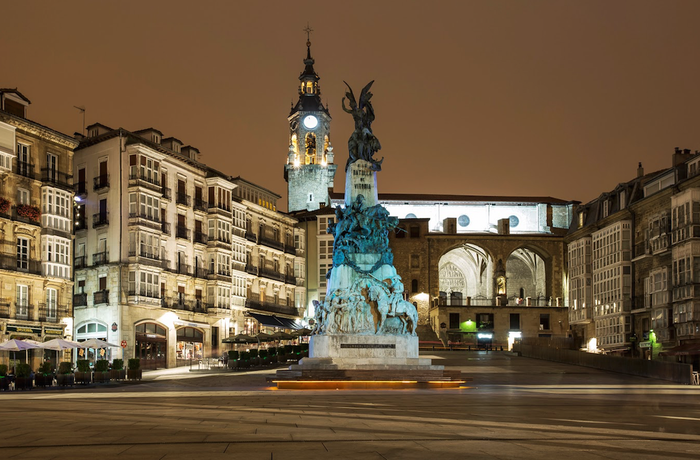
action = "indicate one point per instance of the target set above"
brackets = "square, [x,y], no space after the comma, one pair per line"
[59,345]
[280,335]
[301,332]
[19,345]
[240,338]
[96,343]
[262,337]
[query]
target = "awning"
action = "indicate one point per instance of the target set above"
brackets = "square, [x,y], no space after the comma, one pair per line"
[684,349]
[275,321]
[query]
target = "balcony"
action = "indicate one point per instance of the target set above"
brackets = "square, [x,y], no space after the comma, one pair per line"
[290,279]
[165,228]
[182,232]
[182,198]
[271,307]
[100,297]
[167,193]
[51,314]
[4,307]
[252,269]
[101,182]
[80,300]
[290,249]
[25,169]
[143,180]
[183,269]
[100,219]
[154,256]
[20,264]
[201,272]
[200,205]
[250,236]
[271,274]
[80,189]
[57,178]
[100,258]
[200,237]
[24,311]
[81,223]
[80,262]
[186,303]
[272,243]
[26,213]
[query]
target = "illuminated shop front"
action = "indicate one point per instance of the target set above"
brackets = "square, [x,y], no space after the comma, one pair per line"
[151,345]
[190,344]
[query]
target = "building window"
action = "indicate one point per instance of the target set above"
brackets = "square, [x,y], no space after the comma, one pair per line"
[544,322]
[414,231]
[323,224]
[414,285]
[22,302]
[145,284]
[51,303]
[23,196]
[23,253]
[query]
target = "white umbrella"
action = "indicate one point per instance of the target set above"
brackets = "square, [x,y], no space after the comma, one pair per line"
[60,344]
[18,345]
[95,343]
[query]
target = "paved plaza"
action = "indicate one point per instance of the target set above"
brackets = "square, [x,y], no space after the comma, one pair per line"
[514,408]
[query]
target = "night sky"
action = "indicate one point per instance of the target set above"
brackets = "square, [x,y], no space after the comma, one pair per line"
[539,98]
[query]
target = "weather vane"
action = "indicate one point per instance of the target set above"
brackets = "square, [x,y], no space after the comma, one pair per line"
[308,31]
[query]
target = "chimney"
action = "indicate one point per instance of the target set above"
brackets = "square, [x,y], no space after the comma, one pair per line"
[640,170]
[681,156]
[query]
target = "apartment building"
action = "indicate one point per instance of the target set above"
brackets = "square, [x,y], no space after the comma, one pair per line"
[275,261]
[158,254]
[36,210]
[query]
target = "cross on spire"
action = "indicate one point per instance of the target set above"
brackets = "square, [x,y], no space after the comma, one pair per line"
[308,31]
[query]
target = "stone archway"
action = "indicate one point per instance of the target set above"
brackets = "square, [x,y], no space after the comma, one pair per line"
[526,274]
[465,274]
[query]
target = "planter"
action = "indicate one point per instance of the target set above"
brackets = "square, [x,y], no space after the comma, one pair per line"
[43,380]
[117,374]
[101,377]
[233,364]
[83,377]
[63,380]
[134,374]
[4,383]
[24,383]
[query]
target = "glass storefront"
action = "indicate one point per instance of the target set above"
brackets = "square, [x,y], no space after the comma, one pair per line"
[190,345]
[151,345]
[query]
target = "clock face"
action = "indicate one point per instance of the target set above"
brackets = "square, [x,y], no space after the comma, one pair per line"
[310,122]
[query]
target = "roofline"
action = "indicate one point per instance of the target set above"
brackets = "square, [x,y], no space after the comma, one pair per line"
[465,198]
[69,141]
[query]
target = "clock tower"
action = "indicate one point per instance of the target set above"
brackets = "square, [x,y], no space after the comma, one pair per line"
[309,170]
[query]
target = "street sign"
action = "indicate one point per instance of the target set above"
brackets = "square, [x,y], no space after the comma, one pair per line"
[123,343]
[644,344]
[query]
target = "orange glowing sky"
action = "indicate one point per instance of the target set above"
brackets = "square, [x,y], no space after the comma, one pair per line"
[547,98]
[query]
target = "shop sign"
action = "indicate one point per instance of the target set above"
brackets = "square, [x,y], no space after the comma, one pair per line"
[114,327]
[50,331]
[25,329]
[644,344]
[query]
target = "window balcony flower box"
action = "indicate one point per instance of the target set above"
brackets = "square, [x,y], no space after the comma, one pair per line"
[4,205]
[28,211]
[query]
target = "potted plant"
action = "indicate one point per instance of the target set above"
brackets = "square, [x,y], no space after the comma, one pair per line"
[244,361]
[254,359]
[28,211]
[233,358]
[272,354]
[305,350]
[4,379]
[4,205]
[263,357]
[118,372]
[296,352]
[23,377]
[101,371]
[134,372]
[44,376]
[83,374]
[65,375]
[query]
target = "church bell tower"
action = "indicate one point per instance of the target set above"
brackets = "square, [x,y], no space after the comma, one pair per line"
[309,170]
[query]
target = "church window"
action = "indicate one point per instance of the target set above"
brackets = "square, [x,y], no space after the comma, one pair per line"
[310,157]
[414,285]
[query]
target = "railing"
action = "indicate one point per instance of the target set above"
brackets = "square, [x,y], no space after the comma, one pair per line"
[55,177]
[201,272]
[20,264]
[80,262]
[290,249]
[186,303]
[80,300]
[151,182]
[51,314]
[200,205]
[80,188]
[165,228]
[290,279]
[271,307]
[140,215]
[81,223]
[24,311]
[200,237]
[183,269]
[100,297]
[271,243]
[252,269]
[27,214]
[100,258]
[100,219]
[24,169]
[250,236]
[101,182]
[167,193]
[146,254]
[182,232]
[182,198]
[272,274]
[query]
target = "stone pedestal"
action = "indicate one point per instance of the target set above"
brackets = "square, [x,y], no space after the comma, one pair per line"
[360,179]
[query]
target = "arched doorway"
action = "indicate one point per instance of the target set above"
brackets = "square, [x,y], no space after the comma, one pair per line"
[151,345]
[527,278]
[190,345]
[465,275]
